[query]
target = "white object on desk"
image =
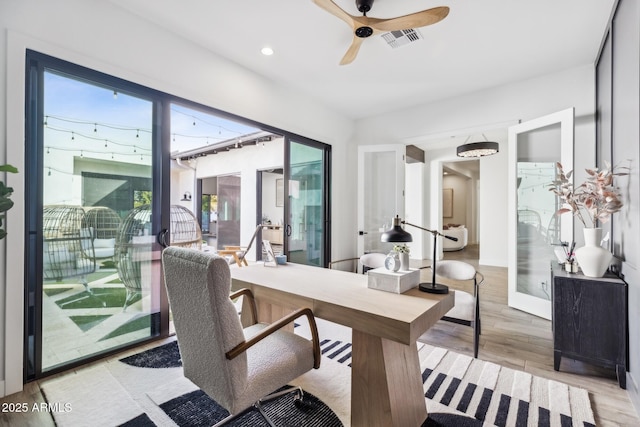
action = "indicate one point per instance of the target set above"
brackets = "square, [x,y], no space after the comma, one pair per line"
[393,281]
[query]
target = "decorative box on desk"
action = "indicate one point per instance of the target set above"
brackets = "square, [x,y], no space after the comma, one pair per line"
[589,320]
[398,282]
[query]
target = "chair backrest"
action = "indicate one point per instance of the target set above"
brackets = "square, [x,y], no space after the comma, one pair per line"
[458,270]
[206,321]
[372,260]
[455,270]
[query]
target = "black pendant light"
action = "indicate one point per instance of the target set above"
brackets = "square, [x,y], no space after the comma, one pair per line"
[397,233]
[477,149]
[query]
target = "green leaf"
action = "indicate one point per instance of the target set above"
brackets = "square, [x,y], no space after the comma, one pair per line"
[3,234]
[8,168]
[5,204]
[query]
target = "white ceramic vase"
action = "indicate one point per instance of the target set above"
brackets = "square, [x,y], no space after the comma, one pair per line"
[592,258]
[404,261]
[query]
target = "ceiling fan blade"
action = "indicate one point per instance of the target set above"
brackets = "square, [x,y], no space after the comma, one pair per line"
[413,20]
[335,10]
[352,52]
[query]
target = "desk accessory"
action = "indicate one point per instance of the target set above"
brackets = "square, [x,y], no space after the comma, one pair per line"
[398,235]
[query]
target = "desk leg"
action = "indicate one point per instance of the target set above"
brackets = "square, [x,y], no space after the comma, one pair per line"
[386,383]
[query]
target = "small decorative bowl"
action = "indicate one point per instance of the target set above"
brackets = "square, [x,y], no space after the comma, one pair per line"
[281,259]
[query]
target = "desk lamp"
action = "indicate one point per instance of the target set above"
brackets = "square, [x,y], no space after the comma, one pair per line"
[397,234]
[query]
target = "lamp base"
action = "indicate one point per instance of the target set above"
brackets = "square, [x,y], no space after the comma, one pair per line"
[434,288]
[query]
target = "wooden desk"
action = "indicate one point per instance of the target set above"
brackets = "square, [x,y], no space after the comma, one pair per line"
[386,382]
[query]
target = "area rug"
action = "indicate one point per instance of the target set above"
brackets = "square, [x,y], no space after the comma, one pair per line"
[459,390]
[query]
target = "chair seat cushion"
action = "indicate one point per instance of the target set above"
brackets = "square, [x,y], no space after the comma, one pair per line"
[464,306]
[276,360]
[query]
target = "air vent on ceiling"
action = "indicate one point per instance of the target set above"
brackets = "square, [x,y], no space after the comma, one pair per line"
[403,37]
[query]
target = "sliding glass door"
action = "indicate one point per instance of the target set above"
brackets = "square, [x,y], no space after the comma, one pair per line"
[93,214]
[307,211]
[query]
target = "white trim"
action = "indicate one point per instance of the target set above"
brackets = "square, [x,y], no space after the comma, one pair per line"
[398,197]
[14,279]
[521,301]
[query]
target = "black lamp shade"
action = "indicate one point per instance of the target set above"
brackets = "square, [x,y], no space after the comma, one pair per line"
[478,149]
[396,234]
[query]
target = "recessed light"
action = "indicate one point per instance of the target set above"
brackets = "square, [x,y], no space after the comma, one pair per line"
[267,51]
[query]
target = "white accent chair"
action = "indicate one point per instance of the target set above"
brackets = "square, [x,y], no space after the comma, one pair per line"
[236,367]
[367,261]
[466,310]
[461,233]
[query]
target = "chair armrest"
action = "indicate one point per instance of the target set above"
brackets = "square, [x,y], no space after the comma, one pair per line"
[252,302]
[245,345]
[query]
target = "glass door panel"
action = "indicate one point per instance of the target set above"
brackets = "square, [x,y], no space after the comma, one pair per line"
[100,280]
[535,230]
[306,228]
[380,192]
[228,211]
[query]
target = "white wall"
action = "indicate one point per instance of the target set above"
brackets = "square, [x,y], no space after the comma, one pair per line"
[490,109]
[103,37]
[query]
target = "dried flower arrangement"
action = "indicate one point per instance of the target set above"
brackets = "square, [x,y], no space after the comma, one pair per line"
[401,249]
[594,200]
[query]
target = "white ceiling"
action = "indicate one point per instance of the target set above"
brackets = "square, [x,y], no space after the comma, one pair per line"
[480,44]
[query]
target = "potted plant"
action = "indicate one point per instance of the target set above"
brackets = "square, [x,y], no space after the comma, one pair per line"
[592,202]
[403,253]
[5,202]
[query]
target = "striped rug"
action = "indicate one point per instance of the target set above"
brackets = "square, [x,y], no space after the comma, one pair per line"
[488,392]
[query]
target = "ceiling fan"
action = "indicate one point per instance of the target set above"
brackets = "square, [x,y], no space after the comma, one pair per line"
[364,27]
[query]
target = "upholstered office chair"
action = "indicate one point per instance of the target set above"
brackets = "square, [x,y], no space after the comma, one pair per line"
[467,306]
[236,367]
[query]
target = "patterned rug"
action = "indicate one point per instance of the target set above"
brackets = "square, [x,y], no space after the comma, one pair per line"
[149,388]
[457,385]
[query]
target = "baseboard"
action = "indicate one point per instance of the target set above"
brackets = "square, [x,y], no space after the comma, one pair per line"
[492,262]
[633,392]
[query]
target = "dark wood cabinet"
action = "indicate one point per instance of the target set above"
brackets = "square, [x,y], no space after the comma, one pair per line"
[589,320]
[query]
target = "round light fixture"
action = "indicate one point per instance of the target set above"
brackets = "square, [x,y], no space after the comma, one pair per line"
[478,149]
[267,51]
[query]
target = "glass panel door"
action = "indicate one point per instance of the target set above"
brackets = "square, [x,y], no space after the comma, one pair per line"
[307,227]
[228,233]
[97,286]
[380,194]
[535,230]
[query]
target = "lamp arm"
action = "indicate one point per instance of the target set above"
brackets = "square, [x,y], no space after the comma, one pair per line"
[434,232]
[255,234]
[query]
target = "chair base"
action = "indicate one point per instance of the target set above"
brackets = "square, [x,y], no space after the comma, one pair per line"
[258,405]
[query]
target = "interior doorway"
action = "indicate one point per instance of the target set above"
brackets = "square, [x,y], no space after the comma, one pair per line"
[460,187]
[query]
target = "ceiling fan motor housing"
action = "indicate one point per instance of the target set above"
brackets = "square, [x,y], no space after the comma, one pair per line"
[364,32]
[364,6]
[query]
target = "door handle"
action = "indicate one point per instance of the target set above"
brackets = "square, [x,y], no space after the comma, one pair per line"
[162,238]
[362,233]
[288,230]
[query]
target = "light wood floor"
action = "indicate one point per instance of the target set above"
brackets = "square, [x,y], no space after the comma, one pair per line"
[509,337]
[521,341]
